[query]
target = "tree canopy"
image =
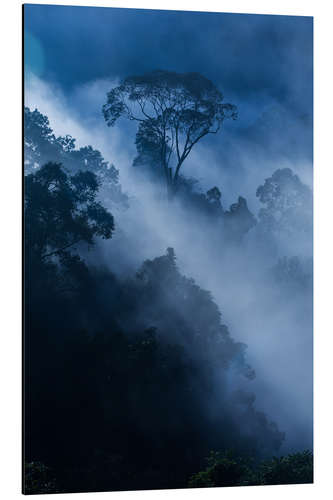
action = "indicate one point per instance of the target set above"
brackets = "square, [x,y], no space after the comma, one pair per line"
[228,469]
[287,203]
[42,146]
[174,112]
[61,211]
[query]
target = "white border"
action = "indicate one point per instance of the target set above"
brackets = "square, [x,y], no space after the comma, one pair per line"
[10,247]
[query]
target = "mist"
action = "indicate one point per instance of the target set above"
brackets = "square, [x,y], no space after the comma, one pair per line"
[275,324]
[178,321]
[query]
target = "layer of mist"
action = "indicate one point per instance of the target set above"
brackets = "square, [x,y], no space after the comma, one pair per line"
[266,310]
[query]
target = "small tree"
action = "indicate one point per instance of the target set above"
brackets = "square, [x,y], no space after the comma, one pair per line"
[174,111]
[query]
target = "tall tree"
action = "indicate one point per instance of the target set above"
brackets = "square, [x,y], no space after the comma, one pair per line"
[174,111]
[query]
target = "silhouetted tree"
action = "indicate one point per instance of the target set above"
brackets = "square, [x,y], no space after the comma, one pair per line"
[42,146]
[40,143]
[287,203]
[238,220]
[174,112]
[61,211]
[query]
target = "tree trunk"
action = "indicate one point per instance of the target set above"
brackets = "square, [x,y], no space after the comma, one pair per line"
[168,180]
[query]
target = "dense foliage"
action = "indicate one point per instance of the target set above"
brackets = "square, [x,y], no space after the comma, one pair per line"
[227,469]
[128,378]
[42,146]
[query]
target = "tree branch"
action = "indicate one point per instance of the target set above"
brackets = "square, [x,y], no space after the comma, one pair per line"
[60,249]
